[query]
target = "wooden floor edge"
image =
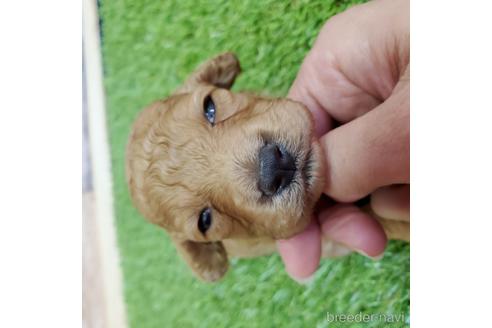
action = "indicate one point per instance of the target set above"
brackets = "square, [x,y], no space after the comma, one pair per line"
[115,312]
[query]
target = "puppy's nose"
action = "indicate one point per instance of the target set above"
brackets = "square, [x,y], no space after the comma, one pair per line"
[277,168]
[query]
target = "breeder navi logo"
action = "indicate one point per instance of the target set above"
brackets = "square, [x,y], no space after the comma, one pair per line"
[366,317]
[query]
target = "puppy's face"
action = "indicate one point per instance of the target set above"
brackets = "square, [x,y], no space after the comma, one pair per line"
[207,164]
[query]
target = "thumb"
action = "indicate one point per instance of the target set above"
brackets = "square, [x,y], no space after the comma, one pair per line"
[371,151]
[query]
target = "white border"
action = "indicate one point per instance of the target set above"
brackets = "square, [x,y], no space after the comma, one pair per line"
[40,185]
[451,163]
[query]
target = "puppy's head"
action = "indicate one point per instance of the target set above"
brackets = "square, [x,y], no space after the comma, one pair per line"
[207,164]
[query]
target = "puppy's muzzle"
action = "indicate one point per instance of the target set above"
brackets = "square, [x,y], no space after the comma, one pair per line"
[276,170]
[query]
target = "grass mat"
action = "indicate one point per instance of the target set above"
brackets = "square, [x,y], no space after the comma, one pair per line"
[149,47]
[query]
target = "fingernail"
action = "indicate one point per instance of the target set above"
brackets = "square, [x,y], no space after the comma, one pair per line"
[374,258]
[304,281]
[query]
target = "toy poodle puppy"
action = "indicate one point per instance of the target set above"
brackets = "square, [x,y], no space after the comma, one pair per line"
[226,174]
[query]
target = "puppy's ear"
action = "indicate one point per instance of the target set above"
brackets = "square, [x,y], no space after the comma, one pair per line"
[207,260]
[220,71]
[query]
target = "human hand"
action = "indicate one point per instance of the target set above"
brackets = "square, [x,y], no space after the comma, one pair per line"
[357,75]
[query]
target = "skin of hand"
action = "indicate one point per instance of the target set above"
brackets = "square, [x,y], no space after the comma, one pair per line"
[357,77]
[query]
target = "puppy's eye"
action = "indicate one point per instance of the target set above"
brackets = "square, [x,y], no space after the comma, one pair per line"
[209,109]
[205,220]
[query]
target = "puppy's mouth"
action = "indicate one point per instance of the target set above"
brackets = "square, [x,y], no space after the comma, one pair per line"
[307,169]
[289,177]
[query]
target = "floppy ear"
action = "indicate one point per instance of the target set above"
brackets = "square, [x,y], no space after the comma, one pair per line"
[207,260]
[220,71]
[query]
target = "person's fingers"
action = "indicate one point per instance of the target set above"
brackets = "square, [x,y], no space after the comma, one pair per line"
[371,151]
[348,225]
[300,92]
[356,60]
[321,82]
[392,202]
[301,253]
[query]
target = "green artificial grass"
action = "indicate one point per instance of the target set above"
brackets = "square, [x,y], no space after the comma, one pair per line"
[149,47]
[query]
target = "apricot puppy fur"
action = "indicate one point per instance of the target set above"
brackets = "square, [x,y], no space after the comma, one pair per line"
[226,174]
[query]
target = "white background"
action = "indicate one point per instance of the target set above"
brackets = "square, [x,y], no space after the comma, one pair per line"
[40,163]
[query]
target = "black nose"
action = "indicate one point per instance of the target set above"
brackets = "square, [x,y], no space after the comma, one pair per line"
[277,168]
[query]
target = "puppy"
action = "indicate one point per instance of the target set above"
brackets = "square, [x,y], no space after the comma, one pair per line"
[226,174]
